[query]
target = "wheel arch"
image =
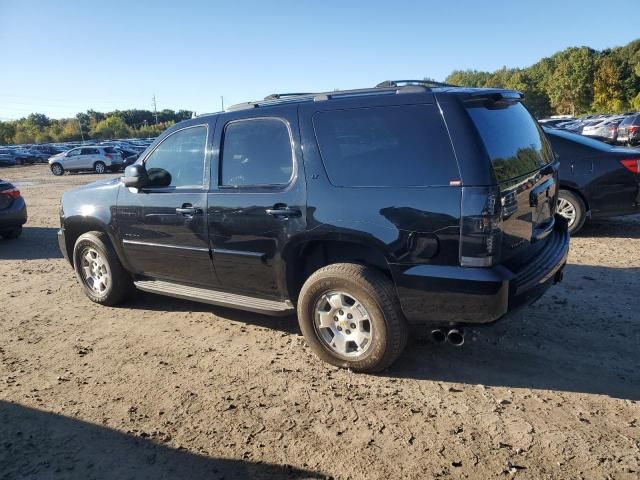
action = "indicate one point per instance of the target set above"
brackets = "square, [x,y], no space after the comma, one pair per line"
[577,191]
[308,256]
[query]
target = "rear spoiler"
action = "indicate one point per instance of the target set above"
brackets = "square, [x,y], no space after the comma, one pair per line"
[494,98]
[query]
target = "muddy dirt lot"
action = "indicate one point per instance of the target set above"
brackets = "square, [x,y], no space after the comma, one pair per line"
[162,388]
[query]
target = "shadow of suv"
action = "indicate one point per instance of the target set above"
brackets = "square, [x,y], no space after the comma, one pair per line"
[364,210]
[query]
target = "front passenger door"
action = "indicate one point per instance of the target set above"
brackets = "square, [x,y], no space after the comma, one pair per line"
[163,225]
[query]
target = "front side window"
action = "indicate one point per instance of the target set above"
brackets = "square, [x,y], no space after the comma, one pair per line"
[179,160]
[256,152]
[73,153]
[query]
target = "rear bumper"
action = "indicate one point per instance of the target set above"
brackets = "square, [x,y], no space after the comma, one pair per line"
[15,215]
[458,295]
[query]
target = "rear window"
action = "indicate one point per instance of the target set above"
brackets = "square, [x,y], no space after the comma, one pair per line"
[513,140]
[385,146]
[629,120]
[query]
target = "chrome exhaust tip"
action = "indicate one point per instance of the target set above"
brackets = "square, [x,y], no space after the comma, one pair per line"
[438,335]
[455,337]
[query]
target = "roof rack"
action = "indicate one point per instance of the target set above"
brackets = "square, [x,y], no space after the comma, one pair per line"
[390,87]
[277,96]
[422,83]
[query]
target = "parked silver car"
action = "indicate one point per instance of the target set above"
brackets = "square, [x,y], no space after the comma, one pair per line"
[98,158]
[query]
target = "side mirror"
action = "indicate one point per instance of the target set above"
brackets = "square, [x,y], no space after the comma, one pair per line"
[135,176]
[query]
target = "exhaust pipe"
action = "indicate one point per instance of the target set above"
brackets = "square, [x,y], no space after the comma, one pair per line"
[455,337]
[438,335]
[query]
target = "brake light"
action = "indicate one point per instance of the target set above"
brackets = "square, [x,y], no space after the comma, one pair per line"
[631,164]
[633,128]
[481,234]
[12,192]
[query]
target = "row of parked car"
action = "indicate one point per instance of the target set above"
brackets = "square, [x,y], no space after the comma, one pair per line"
[126,151]
[623,129]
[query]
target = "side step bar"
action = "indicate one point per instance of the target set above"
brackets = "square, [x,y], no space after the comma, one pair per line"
[214,297]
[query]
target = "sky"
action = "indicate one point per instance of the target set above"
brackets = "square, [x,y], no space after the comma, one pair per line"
[60,57]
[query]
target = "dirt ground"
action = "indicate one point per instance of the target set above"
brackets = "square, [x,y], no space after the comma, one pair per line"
[162,388]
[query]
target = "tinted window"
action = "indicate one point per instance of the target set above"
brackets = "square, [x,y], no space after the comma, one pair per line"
[385,146]
[512,138]
[110,150]
[179,160]
[256,152]
[89,151]
[629,120]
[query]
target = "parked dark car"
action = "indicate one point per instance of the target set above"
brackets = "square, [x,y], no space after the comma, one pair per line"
[13,211]
[596,180]
[7,160]
[629,130]
[392,217]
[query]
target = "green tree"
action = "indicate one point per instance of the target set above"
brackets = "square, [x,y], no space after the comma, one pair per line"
[608,93]
[110,127]
[570,87]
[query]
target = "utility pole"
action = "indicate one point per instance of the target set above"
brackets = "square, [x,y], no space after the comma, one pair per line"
[222,102]
[155,110]
[81,134]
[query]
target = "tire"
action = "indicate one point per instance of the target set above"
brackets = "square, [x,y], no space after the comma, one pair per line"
[572,207]
[114,289]
[11,234]
[371,290]
[57,169]
[99,167]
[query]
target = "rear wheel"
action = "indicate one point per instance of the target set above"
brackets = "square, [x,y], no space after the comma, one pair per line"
[57,169]
[100,167]
[571,207]
[99,270]
[350,316]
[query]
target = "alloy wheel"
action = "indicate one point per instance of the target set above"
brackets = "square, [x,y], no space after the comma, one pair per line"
[343,324]
[95,271]
[567,210]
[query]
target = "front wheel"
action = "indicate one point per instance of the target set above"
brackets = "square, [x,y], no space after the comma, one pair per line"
[57,169]
[350,316]
[100,167]
[571,207]
[99,270]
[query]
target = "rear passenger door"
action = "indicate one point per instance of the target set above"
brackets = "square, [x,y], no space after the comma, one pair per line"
[87,158]
[256,202]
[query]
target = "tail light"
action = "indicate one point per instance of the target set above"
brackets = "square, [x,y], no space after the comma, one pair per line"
[631,164]
[109,156]
[11,192]
[633,129]
[481,233]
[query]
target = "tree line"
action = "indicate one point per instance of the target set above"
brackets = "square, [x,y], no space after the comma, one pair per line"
[575,81]
[134,123]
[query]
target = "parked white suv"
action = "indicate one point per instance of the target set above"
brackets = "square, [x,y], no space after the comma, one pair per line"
[100,159]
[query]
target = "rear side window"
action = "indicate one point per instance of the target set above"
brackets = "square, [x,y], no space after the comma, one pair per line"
[110,150]
[514,142]
[385,146]
[256,152]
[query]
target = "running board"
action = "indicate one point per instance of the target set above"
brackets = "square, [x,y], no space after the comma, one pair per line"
[214,297]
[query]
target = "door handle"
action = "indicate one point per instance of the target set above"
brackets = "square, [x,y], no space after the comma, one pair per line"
[283,212]
[187,209]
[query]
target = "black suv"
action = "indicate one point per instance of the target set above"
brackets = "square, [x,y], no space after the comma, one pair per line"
[366,210]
